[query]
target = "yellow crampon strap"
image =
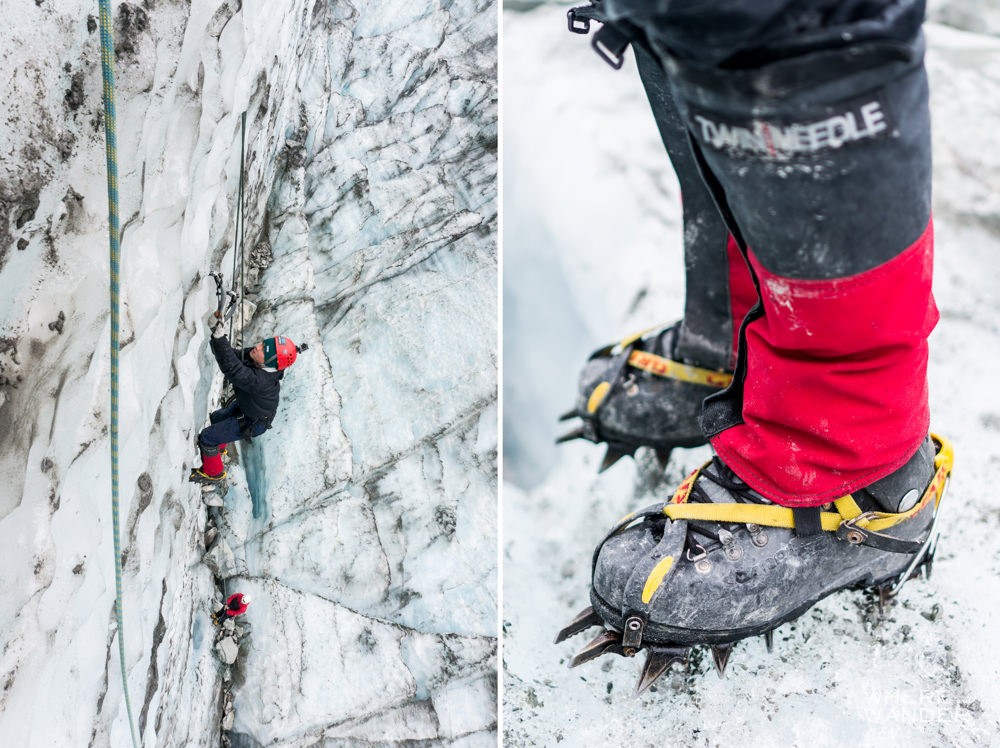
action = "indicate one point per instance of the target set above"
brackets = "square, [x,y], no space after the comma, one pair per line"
[630,339]
[664,367]
[771,515]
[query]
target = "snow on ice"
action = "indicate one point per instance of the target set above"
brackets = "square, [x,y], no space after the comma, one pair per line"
[364,522]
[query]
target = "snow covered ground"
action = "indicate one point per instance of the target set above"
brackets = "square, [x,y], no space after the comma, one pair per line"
[364,523]
[592,251]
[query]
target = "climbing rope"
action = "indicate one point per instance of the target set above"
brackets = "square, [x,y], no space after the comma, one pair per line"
[111,148]
[240,228]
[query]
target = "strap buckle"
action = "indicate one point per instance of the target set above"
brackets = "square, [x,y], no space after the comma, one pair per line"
[850,531]
[610,43]
[578,19]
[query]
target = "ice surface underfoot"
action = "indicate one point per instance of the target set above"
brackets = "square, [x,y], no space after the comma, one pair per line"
[923,674]
[364,522]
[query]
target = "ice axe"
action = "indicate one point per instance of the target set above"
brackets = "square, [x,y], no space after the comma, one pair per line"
[223,312]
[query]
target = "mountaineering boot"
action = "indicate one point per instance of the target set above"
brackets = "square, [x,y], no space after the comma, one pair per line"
[637,394]
[212,470]
[719,563]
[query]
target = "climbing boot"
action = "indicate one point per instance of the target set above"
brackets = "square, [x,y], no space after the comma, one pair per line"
[637,394]
[719,563]
[198,475]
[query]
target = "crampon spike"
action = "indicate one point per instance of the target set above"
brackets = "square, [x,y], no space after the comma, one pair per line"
[769,640]
[663,456]
[720,654]
[569,415]
[612,456]
[928,567]
[658,660]
[574,434]
[884,597]
[583,621]
[603,642]
[928,563]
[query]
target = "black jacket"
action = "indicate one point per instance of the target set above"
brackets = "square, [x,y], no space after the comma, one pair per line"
[256,389]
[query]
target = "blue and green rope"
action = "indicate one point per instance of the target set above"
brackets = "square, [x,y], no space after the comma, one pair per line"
[111,148]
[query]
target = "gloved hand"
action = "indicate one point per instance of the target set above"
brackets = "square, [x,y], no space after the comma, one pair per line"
[216,324]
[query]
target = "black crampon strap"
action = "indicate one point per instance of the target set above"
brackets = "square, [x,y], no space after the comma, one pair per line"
[807,520]
[850,531]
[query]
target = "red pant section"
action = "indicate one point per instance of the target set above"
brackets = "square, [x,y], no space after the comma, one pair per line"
[836,381]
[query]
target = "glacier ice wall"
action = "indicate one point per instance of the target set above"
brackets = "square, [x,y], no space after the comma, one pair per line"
[364,522]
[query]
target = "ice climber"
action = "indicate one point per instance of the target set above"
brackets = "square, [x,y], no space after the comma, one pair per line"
[800,134]
[255,374]
[236,605]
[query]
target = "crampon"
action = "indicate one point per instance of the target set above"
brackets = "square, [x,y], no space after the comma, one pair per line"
[199,476]
[633,394]
[697,571]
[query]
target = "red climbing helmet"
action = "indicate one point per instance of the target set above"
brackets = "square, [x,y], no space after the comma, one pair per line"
[280,352]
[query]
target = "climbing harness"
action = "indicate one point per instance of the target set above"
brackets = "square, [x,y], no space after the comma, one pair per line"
[111,149]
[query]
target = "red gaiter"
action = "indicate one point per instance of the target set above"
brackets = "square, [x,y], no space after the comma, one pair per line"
[835,393]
